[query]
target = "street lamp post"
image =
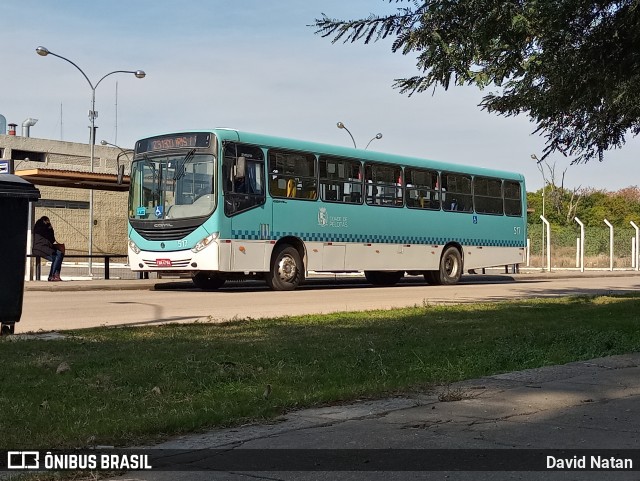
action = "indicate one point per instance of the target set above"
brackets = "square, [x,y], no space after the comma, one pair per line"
[340,125]
[42,51]
[378,136]
[544,185]
[119,168]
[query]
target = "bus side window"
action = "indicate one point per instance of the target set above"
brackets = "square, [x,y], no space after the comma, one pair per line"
[242,178]
[293,174]
[459,192]
[421,190]
[340,179]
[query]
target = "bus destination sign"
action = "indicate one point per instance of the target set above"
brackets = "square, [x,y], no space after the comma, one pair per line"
[174,141]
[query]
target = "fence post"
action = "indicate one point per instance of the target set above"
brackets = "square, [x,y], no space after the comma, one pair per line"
[637,242]
[610,244]
[581,243]
[546,223]
[528,252]
[633,252]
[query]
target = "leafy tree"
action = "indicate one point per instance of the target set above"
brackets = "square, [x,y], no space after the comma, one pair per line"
[595,205]
[592,210]
[571,65]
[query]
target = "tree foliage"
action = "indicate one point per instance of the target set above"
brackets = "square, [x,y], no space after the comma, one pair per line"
[573,66]
[618,207]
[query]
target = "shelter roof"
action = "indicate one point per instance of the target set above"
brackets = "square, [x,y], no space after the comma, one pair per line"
[75,179]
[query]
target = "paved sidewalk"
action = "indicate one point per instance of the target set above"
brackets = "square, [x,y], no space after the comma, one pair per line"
[590,405]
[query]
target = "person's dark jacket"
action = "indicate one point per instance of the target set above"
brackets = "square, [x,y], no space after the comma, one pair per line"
[43,239]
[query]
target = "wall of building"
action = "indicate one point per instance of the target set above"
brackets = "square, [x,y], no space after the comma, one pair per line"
[68,208]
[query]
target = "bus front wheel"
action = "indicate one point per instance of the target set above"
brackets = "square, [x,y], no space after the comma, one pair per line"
[286,269]
[450,266]
[207,280]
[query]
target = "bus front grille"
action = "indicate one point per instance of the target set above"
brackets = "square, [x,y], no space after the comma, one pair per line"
[175,233]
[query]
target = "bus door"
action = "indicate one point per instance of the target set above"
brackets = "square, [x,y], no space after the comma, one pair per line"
[243,185]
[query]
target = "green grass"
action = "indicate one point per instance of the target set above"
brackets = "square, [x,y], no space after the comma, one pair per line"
[127,386]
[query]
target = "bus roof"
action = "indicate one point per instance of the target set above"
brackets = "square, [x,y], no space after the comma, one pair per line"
[350,152]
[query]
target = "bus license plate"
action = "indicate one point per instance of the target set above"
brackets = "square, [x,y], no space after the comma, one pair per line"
[163,262]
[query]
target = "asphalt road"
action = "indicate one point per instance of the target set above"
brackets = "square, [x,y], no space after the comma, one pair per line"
[81,304]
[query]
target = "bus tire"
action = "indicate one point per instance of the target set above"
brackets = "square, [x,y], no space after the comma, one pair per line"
[450,266]
[286,271]
[371,277]
[432,277]
[383,278]
[207,280]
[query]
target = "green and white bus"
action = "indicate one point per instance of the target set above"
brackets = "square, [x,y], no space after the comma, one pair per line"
[224,204]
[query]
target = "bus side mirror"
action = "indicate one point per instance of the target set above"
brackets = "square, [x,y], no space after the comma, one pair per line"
[120,174]
[239,168]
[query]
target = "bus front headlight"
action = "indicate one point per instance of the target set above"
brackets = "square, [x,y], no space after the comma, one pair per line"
[205,242]
[134,247]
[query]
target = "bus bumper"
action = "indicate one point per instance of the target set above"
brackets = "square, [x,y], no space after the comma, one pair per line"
[178,261]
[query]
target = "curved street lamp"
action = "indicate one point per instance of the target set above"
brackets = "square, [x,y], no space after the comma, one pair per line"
[340,125]
[119,168]
[43,51]
[377,137]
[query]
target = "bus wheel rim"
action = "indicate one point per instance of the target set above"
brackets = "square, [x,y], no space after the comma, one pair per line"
[287,269]
[451,266]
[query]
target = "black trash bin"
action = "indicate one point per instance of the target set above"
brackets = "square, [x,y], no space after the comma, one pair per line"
[15,195]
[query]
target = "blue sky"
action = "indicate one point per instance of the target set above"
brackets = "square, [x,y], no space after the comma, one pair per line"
[257,66]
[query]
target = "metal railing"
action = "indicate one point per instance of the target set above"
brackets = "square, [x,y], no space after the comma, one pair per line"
[107,258]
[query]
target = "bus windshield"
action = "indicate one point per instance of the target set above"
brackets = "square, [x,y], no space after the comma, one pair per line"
[174,186]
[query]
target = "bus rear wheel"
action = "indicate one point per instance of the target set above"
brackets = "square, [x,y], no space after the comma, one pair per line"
[286,271]
[383,278]
[432,277]
[207,280]
[450,266]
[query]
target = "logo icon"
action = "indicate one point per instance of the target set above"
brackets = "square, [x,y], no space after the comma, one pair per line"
[158,211]
[23,460]
[323,218]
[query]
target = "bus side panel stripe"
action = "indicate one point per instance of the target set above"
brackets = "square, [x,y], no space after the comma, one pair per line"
[375,238]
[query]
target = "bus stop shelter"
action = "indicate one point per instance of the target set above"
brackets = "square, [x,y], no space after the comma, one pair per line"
[67,179]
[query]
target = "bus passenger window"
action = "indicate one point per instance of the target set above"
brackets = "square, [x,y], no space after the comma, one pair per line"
[421,191]
[487,195]
[383,182]
[293,174]
[458,192]
[512,198]
[340,180]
